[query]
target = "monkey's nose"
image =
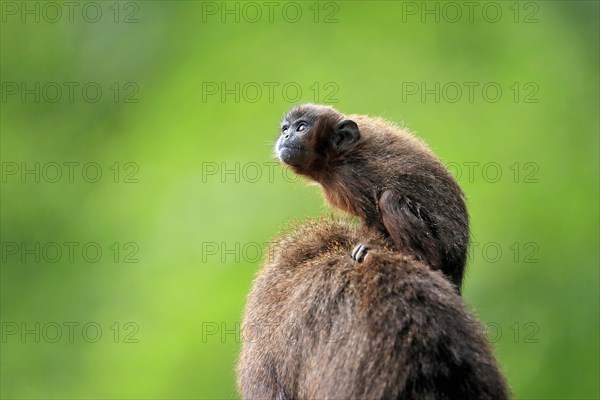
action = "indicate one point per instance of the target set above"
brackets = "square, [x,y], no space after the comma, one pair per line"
[287,136]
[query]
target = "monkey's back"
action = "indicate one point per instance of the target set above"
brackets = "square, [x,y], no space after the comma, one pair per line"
[320,326]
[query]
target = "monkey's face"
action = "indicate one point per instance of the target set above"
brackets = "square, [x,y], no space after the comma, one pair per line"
[312,136]
[293,145]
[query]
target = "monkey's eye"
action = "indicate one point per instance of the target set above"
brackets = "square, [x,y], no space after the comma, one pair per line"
[284,128]
[301,127]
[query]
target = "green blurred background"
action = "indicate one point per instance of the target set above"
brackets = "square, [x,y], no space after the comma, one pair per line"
[195,192]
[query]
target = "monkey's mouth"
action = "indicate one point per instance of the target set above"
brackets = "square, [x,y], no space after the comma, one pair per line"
[290,154]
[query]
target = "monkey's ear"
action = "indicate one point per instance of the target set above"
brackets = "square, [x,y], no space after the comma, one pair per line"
[345,134]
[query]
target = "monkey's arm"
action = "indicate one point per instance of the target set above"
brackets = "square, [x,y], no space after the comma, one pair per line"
[409,227]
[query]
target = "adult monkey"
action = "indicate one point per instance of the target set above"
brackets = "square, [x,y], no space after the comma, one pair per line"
[319,325]
[384,175]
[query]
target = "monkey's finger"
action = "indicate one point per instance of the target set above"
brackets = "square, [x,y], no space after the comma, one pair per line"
[359,253]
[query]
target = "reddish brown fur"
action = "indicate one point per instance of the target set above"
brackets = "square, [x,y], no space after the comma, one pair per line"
[319,326]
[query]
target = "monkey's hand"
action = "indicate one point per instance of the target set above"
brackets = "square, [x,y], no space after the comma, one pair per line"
[360,252]
[409,227]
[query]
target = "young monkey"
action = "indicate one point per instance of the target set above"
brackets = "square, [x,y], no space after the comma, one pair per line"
[319,325]
[384,175]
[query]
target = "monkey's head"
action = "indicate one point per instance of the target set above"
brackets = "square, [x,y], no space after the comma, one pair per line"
[313,136]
